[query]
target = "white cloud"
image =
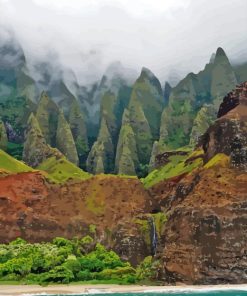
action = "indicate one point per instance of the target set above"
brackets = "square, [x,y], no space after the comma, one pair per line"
[163,35]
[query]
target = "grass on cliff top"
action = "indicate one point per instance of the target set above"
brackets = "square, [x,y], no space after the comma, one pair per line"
[219,159]
[12,165]
[178,164]
[61,170]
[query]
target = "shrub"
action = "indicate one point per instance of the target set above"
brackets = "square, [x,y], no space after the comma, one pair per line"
[85,275]
[73,265]
[60,274]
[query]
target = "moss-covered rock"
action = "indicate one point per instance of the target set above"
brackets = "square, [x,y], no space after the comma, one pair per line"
[79,132]
[47,116]
[36,150]
[142,130]
[101,155]
[145,108]
[204,118]
[147,92]
[126,160]
[65,141]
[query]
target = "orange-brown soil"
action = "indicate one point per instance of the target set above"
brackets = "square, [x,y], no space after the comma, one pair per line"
[37,210]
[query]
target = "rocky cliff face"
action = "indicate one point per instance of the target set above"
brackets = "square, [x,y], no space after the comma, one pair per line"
[205,236]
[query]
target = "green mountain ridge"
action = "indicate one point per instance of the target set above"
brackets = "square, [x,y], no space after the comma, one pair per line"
[159,120]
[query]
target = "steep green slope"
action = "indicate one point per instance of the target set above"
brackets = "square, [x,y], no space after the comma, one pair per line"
[10,164]
[61,170]
[177,165]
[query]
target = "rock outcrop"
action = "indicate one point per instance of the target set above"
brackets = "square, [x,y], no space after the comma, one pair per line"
[204,118]
[205,235]
[228,134]
[36,150]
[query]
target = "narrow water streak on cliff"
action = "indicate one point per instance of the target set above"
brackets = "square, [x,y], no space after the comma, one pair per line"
[153,236]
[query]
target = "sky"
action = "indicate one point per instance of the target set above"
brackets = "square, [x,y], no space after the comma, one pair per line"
[170,37]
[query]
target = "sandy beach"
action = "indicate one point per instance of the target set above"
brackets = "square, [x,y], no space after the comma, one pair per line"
[94,289]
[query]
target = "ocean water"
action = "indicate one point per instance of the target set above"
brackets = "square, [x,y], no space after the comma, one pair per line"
[170,293]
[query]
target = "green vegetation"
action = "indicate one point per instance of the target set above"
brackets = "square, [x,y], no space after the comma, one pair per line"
[9,164]
[61,170]
[145,225]
[178,165]
[15,150]
[147,269]
[15,110]
[159,221]
[219,159]
[65,261]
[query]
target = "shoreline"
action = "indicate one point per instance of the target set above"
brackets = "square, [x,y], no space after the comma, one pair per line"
[18,290]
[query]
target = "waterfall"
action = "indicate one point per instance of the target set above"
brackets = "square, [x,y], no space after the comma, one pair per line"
[153,236]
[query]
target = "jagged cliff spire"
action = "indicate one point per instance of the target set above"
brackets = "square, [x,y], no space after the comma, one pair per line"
[47,116]
[79,131]
[36,150]
[101,156]
[126,160]
[64,139]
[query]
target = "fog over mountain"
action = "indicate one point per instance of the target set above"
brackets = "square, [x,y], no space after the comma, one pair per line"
[169,37]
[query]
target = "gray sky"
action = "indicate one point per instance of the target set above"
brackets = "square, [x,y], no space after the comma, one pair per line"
[167,36]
